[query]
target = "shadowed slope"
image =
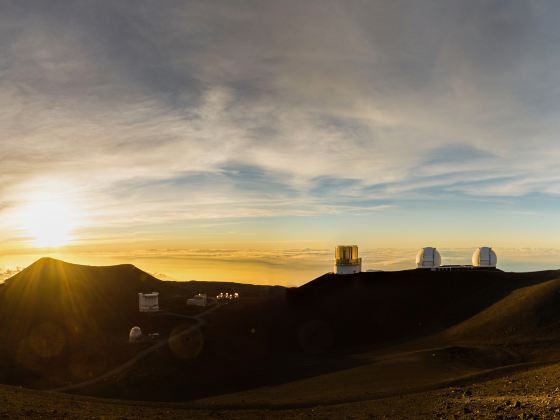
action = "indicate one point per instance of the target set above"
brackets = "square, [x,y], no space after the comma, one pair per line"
[505,309]
[527,313]
[81,299]
[385,307]
[68,323]
[257,341]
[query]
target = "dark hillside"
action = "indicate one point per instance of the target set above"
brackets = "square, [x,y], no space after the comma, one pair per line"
[65,323]
[86,300]
[528,313]
[384,307]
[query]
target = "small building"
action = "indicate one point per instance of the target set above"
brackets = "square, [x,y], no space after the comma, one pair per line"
[428,258]
[347,260]
[200,299]
[453,267]
[135,335]
[484,257]
[148,302]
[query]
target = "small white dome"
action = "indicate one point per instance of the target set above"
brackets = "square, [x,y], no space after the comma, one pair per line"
[135,334]
[428,258]
[484,257]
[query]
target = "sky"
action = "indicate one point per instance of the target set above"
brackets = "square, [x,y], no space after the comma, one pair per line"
[243,140]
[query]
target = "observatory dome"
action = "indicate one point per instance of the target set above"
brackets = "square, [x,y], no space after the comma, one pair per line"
[428,258]
[484,257]
[135,334]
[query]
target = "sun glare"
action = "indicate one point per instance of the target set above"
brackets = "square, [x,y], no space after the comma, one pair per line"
[49,222]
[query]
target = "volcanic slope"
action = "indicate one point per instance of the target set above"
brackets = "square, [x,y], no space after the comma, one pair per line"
[83,299]
[385,308]
[526,314]
[516,328]
[93,300]
[372,335]
[379,334]
[65,322]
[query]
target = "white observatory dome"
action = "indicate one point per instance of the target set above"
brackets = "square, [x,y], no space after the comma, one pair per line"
[428,258]
[484,257]
[135,334]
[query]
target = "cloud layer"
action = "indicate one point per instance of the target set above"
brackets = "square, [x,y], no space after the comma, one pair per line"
[146,113]
[289,267]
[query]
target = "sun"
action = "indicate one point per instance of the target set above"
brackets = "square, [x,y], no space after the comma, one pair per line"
[49,222]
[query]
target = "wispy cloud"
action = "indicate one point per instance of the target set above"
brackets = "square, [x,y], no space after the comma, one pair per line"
[160,113]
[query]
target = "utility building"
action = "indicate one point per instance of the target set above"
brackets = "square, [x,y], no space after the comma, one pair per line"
[484,257]
[148,302]
[428,258]
[347,260]
[200,299]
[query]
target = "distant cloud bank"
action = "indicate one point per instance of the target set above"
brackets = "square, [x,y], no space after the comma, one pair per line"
[6,273]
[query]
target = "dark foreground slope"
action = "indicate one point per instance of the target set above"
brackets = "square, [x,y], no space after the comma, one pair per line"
[334,339]
[62,322]
[522,393]
[417,331]
[372,332]
[526,314]
[390,307]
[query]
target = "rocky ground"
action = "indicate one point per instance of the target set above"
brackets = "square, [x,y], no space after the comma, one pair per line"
[527,394]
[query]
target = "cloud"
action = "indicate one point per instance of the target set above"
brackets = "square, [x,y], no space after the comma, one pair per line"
[295,266]
[6,273]
[270,257]
[149,113]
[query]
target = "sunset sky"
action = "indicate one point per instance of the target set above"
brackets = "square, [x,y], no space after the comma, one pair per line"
[244,140]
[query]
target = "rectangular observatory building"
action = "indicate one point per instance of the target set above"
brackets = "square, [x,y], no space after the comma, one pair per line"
[347,260]
[148,302]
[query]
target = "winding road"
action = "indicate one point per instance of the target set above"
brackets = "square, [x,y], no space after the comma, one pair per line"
[200,321]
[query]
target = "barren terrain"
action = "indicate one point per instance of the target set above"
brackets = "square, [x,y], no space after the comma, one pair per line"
[397,344]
